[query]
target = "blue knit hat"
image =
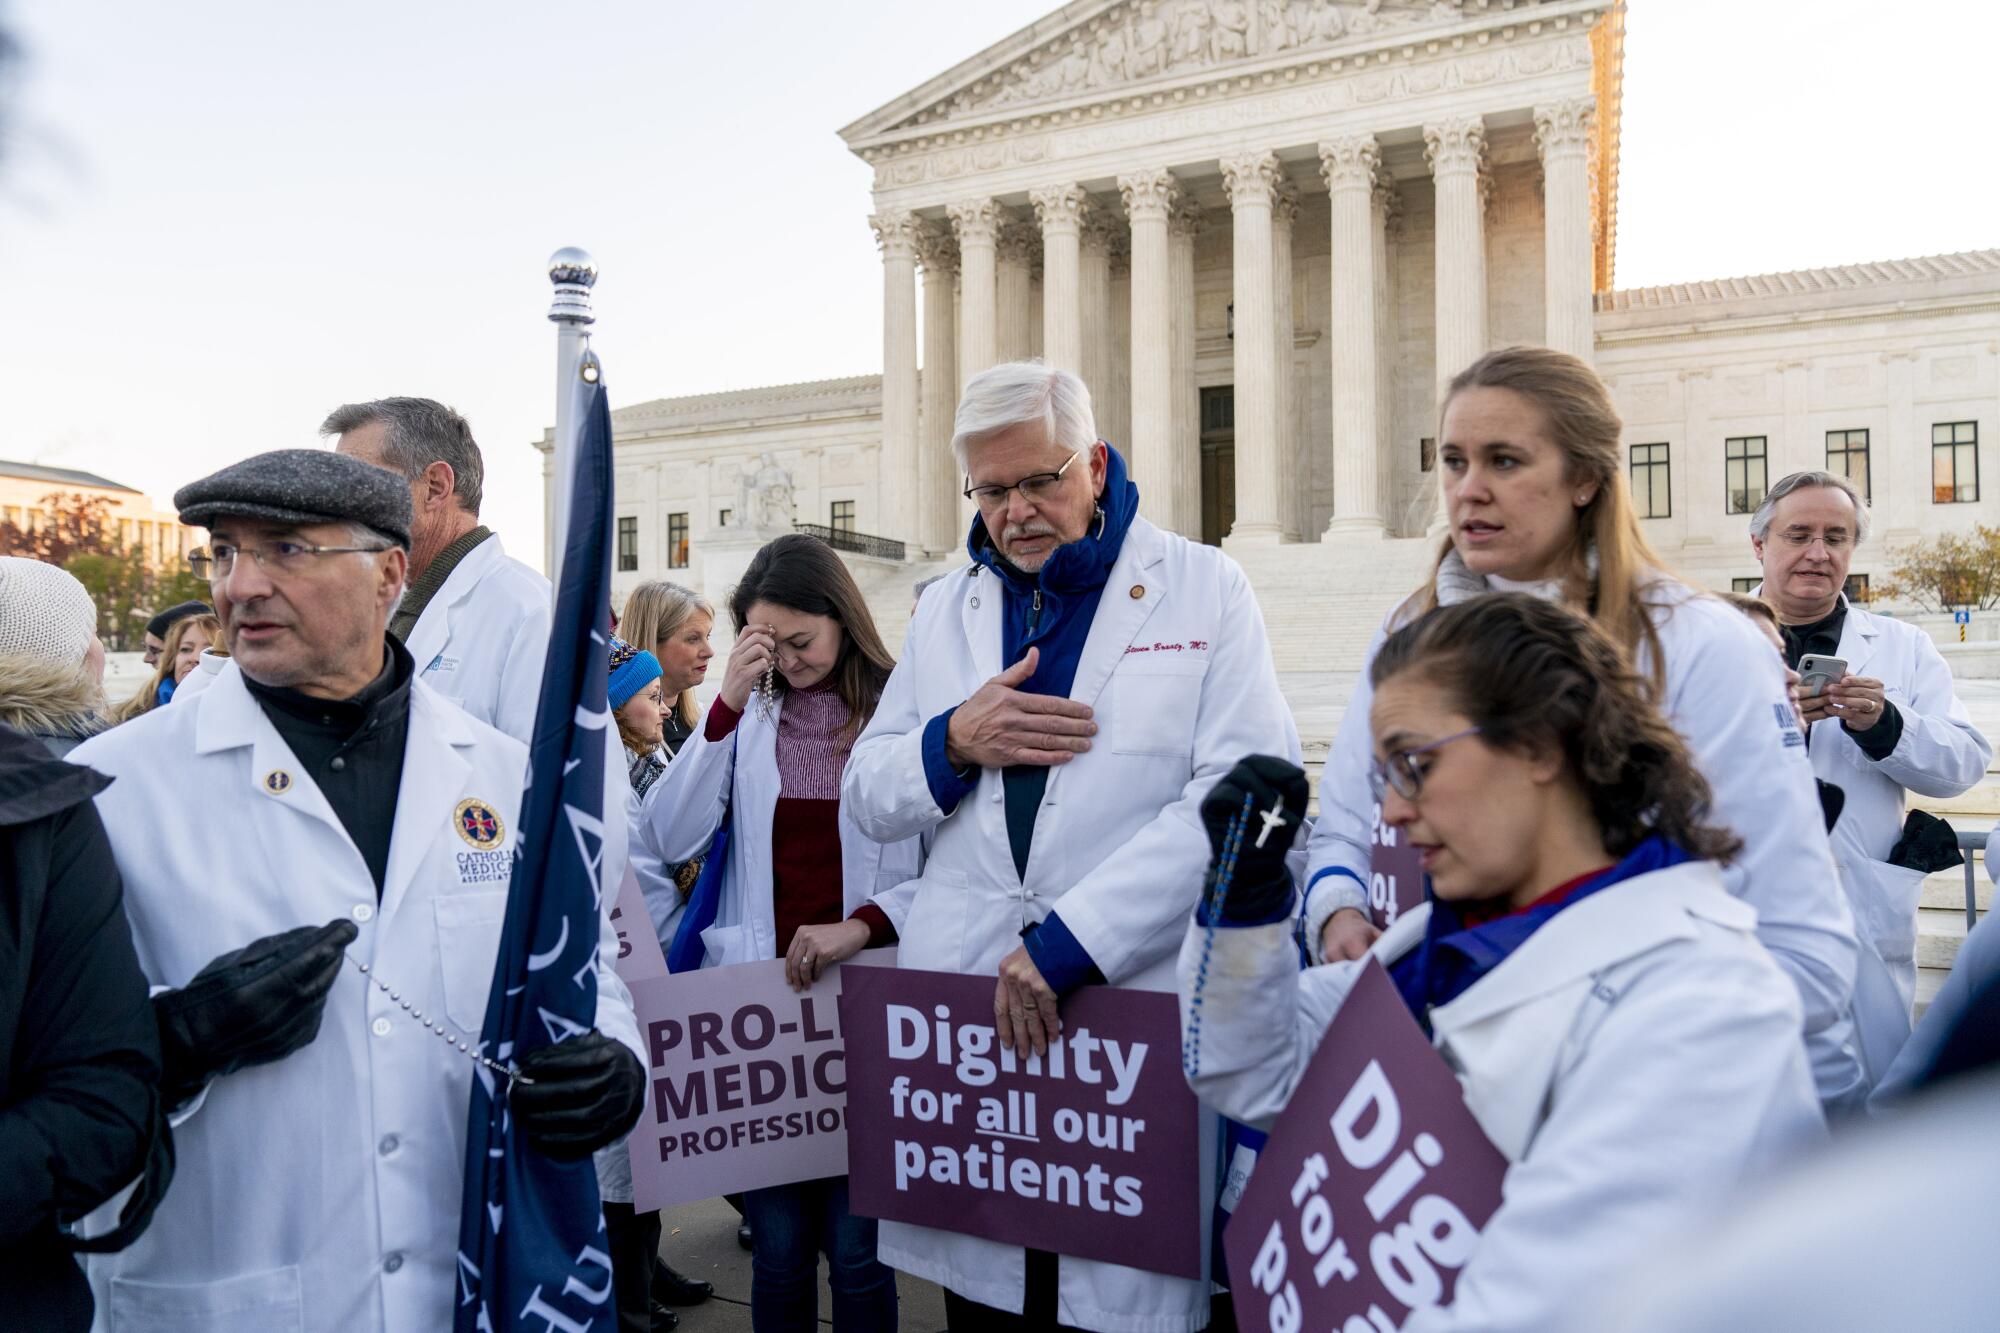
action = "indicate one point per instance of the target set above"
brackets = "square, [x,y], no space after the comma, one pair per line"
[632,669]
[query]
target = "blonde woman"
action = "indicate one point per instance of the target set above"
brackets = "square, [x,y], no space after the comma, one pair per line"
[1530,450]
[672,623]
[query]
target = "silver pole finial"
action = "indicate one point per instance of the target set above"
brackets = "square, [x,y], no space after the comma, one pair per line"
[573,273]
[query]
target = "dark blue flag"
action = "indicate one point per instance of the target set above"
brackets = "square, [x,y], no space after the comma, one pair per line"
[532,1252]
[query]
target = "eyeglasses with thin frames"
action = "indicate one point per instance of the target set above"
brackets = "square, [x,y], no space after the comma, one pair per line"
[281,559]
[1834,541]
[1034,489]
[1399,768]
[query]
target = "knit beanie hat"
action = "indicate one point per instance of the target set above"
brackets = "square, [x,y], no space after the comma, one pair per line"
[632,669]
[45,613]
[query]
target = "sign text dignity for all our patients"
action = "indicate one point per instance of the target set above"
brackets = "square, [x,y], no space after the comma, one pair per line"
[977,1060]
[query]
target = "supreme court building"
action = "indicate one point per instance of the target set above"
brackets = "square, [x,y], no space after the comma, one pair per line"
[1264,232]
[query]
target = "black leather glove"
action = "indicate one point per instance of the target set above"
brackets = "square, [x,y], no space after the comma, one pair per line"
[251,1006]
[586,1092]
[1260,887]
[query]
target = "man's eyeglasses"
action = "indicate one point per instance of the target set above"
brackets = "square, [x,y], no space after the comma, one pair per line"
[1399,768]
[280,559]
[1034,490]
[1835,541]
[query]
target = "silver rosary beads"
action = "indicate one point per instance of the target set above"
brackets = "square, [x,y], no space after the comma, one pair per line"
[464,1047]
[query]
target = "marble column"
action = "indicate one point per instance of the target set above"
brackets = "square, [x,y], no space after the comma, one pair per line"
[1385,224]
[1456,151]
[1184,224]
[976,222]
[1350,165]
[1062,210]
[1118,332]
[896,233]
[1149,196]
[1014,299]
[936,527]
[1563,134]
[1284,214]
[1094,299]
[1251,180]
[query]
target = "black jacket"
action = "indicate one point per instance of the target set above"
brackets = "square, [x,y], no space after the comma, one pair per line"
[79,1050]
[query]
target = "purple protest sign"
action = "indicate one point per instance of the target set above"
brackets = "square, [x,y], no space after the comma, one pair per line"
[1370,1195]
[639,956]
[1092,1150]
[1395,872]
[748,1086]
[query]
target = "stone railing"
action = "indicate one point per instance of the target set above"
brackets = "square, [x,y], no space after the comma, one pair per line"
[857,543]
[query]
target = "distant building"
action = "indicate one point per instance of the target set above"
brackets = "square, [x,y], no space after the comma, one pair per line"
[25,489]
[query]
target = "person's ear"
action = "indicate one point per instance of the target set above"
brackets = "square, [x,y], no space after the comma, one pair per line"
[1585,494]
[438,482]
[1545,763]
[395,572]
[1100,467]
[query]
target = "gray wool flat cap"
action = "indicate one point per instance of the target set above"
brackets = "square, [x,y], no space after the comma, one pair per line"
[302,486]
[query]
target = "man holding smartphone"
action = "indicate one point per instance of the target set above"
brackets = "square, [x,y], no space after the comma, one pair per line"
[1892,724]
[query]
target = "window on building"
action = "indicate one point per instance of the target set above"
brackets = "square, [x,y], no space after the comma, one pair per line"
[1847,456]
[1856,587]
[1748,585]
[722,517]
[1427,454]
[677,541]
[1218,410]
[1649,481]
[1955,462]
[1744,473]
[628,545]
[841,516]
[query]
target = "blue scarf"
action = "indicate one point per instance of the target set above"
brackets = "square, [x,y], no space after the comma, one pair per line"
[1454,957]
[1070,583]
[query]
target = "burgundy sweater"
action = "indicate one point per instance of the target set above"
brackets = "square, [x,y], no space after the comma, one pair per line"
[806,888]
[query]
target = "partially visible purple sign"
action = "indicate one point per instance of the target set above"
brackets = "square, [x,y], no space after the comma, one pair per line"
[748,1085]
[1395,873]
[1372,1191]
[1092,1150]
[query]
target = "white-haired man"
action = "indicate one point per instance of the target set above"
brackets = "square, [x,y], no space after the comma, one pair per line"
[1892,723]
[1060,709]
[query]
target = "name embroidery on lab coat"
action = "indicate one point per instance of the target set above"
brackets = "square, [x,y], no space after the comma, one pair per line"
[1788,725]
[441,663]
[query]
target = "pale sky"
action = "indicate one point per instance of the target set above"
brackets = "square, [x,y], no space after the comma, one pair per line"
[219,219]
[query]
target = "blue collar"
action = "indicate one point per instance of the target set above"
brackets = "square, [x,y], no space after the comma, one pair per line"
[1454,957]
[1079,565]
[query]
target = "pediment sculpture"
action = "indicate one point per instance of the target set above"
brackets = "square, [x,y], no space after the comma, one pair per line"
[1141,40]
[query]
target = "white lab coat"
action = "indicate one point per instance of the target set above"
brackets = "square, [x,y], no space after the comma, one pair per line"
[1178,670]
[1940,753]
[1727,696]
[484,637]
[206,668]
[738,775]
[319,1192]
[664,903]
[1637,1061]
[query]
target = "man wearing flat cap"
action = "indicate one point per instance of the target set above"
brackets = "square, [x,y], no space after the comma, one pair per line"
[318,809]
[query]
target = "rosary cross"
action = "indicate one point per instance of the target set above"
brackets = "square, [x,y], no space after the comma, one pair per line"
[1274,818]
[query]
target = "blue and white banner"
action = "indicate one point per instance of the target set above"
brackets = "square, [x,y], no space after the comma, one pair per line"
[532,1252]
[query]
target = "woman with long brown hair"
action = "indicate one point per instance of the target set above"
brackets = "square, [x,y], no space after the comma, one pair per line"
[796,879]
[1613,1023]
[1530,456]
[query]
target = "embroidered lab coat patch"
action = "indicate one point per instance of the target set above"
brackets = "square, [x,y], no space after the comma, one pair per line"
[1788,725]
[481,826]
[478,823]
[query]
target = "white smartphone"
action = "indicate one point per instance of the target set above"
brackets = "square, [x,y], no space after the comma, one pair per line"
[1817,672]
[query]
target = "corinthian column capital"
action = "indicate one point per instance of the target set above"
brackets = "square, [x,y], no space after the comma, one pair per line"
[1565,127]
[1018,241]
[1251,178]
[896,232]
[1455,146]
[1149,195]
[937,248]
[1061,207]
[1350,162]
[977,221]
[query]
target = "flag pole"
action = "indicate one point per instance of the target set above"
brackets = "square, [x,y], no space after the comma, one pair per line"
[573,273]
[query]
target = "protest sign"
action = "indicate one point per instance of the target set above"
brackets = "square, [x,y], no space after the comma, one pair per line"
[1090,1150]
[748,1086]
[1371,1193]
[1395,872]
[639,955]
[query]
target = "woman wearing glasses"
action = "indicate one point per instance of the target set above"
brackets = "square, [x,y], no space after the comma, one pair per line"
[1530,453]
[1617,1030]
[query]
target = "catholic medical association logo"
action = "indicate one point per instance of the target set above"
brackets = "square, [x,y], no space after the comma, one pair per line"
[277,782]
[478,823]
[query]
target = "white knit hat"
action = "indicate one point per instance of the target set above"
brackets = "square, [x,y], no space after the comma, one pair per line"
[44,612]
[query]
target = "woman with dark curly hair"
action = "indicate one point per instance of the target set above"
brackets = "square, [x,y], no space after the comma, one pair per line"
[1617,1029]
